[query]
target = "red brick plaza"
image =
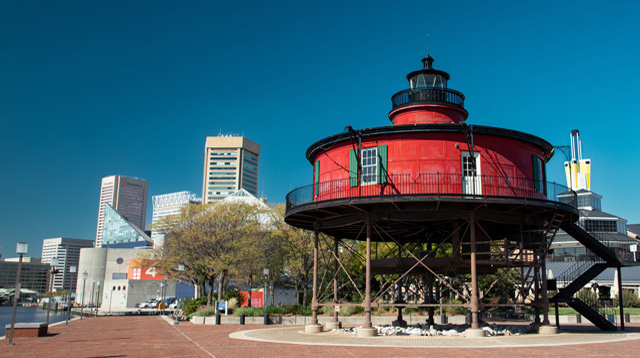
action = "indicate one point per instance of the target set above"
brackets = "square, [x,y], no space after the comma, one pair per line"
[152,336]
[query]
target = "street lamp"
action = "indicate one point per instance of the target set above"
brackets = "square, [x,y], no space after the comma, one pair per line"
[175,312]
[72,269]
[264,300]
[21,249]
[84,282]
[111,298]
[53,263]
[163,290]
[98,298]
[93,290]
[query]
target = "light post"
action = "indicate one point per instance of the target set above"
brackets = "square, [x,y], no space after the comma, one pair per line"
[84,282]
[111,298]
[163,292]
[53,263]
[264,300]
[98,298]
[72,269]
[93,290]
[175,312]
[21,249]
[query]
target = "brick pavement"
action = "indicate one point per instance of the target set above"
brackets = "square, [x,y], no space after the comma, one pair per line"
[151,336]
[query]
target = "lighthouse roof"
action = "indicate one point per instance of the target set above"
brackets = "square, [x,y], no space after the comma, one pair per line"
[428,69]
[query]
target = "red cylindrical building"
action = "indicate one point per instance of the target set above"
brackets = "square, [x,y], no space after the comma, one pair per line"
[432,179]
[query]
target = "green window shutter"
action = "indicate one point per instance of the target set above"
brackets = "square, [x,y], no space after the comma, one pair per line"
[382,165]
[317,178]
[353,168]
[536,173]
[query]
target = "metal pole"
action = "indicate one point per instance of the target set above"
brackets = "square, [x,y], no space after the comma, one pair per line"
[98,294]
[475,304]
[175,311]
[620,303]
[84,282]
[335,282]
[50,293]
[367,297]
[68,309]
[314,299]
[93,290]
[545,298]
[15,302]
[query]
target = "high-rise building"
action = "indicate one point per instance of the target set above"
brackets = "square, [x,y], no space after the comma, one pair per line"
[167,205]
[128,196]
[230,164]
[67,251]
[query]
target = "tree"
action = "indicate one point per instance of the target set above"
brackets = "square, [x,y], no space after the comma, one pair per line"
[210,241]
[296,252]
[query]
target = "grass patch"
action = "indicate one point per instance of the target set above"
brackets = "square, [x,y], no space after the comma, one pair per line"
[568,311]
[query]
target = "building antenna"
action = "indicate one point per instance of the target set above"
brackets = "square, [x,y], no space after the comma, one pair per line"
[427,44]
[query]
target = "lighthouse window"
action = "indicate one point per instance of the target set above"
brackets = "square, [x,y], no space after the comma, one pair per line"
[538,174]
[427,81]
[369,165]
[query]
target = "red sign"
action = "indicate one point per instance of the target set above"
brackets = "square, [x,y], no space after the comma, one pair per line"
[138,272]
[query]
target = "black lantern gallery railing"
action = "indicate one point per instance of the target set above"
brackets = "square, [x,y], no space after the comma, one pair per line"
[428,95]
[434,184]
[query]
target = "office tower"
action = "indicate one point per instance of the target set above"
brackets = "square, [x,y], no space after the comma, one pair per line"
[128,196]
[167,205]
[230,164]
[67,251]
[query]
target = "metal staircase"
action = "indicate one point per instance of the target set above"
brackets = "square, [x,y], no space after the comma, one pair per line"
[600,258]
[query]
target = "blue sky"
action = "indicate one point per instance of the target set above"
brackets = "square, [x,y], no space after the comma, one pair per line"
[90,89]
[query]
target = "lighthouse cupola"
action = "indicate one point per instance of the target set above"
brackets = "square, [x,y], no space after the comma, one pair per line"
[428,100]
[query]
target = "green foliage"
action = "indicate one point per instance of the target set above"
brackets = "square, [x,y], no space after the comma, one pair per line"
[192,306]
[349,310]
[587,296]
[455,310]
[273,310]
[248,311]
[233,292]
[205,311]
[629,299]
[412,310]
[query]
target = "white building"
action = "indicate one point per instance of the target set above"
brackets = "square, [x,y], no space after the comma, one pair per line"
[128,196]
[168,205]
[230,164]
[115,279]
[67,251]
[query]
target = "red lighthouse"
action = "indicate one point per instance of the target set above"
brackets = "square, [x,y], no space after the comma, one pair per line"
[452,199]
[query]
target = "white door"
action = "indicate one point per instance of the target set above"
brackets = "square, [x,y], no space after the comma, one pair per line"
[471,180]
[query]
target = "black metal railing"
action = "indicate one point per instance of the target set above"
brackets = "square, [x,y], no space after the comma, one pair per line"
[428,95]
[432,184]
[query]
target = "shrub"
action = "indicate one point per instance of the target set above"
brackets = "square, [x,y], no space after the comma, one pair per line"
[231,293]
[248,311]
[349,310]
[587,296]
[192,305]
[455,310]
[205,311]
[629,299]
[412,310]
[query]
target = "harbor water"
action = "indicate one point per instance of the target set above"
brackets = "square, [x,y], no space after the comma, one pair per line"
[34,314]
